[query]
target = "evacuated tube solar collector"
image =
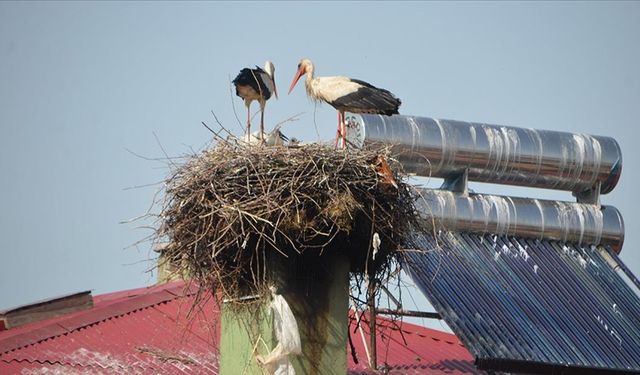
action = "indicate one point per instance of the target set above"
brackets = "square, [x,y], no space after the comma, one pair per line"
[583,164]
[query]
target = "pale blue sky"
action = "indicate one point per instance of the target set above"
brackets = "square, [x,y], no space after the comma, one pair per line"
[80,83]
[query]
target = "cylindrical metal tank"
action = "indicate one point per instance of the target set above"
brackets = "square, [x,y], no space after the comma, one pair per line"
[492,153]
[579,223]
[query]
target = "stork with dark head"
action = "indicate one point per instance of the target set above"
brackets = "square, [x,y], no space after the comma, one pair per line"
[346,95]
[256,84]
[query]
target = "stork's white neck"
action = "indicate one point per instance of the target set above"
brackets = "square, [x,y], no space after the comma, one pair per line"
[310,69]
[309,79]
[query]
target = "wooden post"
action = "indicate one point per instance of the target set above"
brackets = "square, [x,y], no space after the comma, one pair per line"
[371,303]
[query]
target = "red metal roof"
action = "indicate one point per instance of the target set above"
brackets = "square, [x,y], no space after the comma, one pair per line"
[147,330]
[405,348]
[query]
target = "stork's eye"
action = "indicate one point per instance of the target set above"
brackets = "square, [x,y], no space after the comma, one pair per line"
[298,66]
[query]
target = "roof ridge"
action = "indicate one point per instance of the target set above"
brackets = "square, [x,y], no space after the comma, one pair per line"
[96,314]
[41,302]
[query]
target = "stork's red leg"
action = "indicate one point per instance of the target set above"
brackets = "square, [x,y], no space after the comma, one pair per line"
[344,133]
[338,135]
[343,129]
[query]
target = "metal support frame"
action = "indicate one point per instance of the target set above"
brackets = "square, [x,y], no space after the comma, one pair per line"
[590,196]
[412,313]
[458,183]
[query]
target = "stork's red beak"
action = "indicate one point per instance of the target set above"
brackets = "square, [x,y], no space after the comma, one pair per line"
[299,74]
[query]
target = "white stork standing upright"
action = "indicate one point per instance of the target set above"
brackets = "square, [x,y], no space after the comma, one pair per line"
[346,95]
[256,84]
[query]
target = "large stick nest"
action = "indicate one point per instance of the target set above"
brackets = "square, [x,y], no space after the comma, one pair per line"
[228,208]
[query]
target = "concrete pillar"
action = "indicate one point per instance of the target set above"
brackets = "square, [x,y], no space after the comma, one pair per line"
[317,290]
[245,333]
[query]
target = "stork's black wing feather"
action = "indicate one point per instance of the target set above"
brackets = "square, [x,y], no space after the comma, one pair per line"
[368,99]
[363,83]
[253,78]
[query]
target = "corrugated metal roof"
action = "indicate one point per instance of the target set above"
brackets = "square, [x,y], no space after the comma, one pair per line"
[146,331]
[530,305]
[404,348]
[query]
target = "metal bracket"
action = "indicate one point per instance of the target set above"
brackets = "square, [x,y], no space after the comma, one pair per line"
[591,196]
[458,183]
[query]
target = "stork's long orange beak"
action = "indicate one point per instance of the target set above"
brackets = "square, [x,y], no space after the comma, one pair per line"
[299,74]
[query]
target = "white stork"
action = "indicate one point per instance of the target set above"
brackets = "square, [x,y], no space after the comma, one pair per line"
[273,138]
[256,84]
[346,95]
